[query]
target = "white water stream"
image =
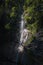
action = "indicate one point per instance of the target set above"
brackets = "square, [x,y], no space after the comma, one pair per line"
[22,25]
[23,37]
[23,34]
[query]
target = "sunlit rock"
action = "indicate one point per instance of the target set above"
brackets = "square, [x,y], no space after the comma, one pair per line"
[20,48]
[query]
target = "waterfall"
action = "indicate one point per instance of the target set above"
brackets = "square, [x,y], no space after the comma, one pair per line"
[23,31]
[22,25]
[23,37]
[20,47]
[23,34]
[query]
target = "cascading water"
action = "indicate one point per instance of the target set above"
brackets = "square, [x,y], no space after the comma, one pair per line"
[20,48]
[23,33]
[22,25]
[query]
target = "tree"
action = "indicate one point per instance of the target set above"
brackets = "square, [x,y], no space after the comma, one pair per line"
[33,14]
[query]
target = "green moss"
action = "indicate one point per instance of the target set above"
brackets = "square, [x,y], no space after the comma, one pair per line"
[12,13]
[7,26]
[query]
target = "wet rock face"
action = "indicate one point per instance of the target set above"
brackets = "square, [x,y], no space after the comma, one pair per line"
[34,56]
[37,51]
[8,41]
[37,46]
[39,35]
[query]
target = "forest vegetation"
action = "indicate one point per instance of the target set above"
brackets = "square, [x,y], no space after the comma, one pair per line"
[10,16]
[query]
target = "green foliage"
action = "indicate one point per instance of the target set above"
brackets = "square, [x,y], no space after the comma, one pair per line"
[34,17]
[33,14]
[12,14]
[7,26]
